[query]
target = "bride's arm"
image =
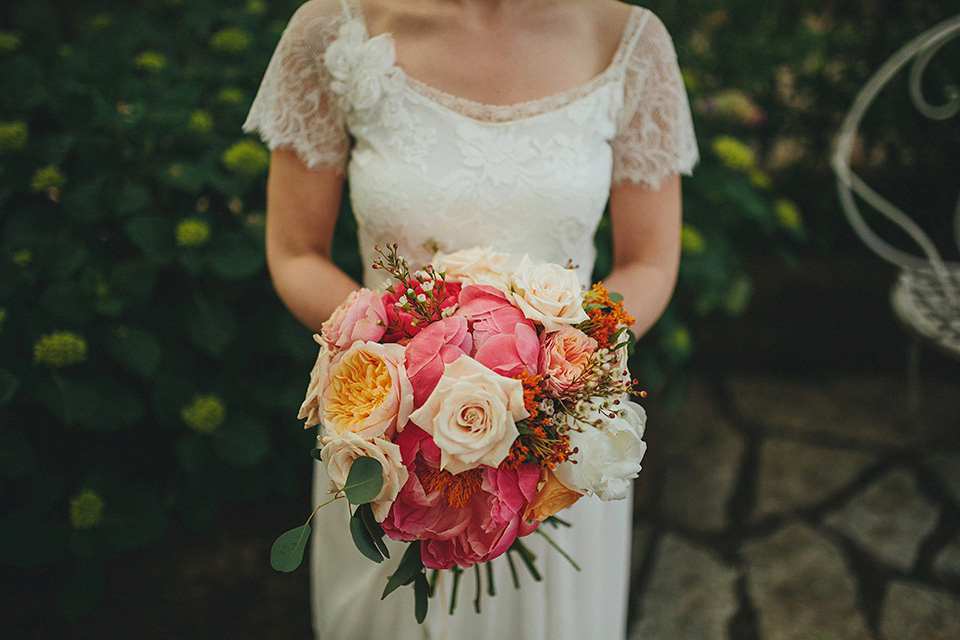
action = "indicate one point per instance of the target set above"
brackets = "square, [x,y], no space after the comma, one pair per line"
[302,207]
[646,247]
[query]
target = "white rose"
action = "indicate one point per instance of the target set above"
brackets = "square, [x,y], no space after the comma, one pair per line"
[475,266]
[338,454]
[312,406]
[472,415]
[607,457]
[548,294]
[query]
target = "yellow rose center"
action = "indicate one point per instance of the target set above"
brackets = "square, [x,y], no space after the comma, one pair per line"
[360,386]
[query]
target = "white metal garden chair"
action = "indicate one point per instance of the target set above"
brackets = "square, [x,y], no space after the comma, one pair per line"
[926,295]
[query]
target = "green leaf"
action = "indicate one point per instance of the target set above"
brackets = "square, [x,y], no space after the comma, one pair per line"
[153,234]
[232,255]
[135,349]
[134,281]
[82,204]
[362,538]
[84,588]
[316,453]
[421,594]
[410,564]
[132,198]
[364,481]
[17,458]
[242,442]
[8,386]
[211,325]
[376,531]
[193,453]
[287,552]
[27,542]
[100,404]
[615,297]
[133,517]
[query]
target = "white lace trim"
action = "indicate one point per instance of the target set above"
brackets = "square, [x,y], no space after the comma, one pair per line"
[294,107]
[655,136]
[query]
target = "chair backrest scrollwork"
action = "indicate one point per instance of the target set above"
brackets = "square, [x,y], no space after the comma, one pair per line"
[920,51]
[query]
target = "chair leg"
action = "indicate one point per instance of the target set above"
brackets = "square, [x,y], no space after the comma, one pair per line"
[913,373]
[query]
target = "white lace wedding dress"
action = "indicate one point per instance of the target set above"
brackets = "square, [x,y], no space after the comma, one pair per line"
[433,171]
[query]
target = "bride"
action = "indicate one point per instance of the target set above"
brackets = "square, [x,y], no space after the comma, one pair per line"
[501,123]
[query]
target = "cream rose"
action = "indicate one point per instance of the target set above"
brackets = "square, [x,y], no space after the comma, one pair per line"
[366,391]
[475,266]
[608,456]
[472,415]
[312,407]
[339,452]
[548,294]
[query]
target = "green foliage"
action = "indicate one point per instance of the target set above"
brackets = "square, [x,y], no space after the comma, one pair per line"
[149,372]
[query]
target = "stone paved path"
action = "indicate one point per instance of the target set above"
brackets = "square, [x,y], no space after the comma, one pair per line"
[777,509]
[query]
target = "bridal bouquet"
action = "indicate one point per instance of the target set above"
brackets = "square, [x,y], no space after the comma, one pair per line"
[465,405]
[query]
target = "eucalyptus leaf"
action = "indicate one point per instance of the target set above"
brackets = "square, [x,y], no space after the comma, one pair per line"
[364,481]
[376,531]
[410,564]
[211,325]
[152,234]
[362,538]
[287,552]
[315,452]
[421,594]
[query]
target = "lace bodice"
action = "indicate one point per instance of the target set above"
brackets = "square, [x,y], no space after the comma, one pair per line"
[433,171]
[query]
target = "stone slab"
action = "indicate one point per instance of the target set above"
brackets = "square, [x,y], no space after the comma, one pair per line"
[801,587]
[868,409]
[690,595]
[947,466]
[794,475]
[703,456]
[916,612]
[889,519]
[946,564]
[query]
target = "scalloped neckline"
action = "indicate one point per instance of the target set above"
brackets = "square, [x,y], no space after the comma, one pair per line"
[502,113]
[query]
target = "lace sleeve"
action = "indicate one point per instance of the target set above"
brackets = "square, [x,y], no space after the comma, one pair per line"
[655,135]
[294,107]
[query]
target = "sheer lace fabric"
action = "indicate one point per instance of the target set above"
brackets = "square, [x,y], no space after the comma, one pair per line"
[430,171]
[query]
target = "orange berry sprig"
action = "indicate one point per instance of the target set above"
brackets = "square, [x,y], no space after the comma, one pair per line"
[607,317]
[540,441]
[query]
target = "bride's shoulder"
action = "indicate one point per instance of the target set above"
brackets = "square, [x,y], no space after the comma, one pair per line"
[315,14]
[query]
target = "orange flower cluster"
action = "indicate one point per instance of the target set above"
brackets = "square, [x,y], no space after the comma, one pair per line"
[457,489]
[539,441]
[606,315]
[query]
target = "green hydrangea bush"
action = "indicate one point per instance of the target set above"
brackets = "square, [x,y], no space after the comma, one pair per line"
[148,372]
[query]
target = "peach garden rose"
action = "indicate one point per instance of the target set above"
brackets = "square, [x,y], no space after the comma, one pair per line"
[367,391]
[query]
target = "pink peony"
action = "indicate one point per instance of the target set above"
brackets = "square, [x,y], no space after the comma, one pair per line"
[563,356]
[495,520]
[401,324]
[440,343]
[362,316]
[503,339]
[479,531]
[417,513]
